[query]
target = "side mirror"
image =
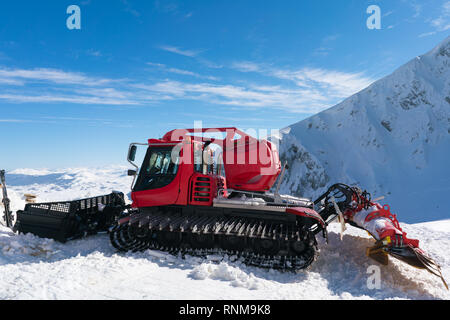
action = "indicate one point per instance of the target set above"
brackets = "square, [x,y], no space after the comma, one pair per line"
[132,172]
[132,153]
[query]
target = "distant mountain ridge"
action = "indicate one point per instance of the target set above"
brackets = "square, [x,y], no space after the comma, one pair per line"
[392,138]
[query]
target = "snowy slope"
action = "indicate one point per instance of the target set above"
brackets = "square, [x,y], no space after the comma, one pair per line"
[392,138]
[34,268]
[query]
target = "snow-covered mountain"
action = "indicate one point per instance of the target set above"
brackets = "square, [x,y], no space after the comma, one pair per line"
[392,138]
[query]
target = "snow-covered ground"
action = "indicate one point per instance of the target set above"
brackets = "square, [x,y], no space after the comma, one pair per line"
[34,268]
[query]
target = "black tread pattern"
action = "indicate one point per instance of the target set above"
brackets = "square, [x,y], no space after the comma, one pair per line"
[240,237]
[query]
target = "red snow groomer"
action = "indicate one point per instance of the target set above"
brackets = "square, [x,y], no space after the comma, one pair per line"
[201,196]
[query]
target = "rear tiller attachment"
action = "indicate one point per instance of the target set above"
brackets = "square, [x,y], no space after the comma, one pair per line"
[69,220]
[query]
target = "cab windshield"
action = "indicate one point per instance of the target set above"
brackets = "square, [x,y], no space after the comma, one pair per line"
[158,169]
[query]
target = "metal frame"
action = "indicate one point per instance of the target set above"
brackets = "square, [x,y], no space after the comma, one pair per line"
[259,195]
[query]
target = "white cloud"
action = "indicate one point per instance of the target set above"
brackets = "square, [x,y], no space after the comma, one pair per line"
[52,75]
[417,9]
[303,100]
[130,9]
[187,53]
[180,71]
[52,98]
[334,83]
[441,23]
[14,120]
[305,90]
[94,53]
[322,51]
[11,81]
[76,87]
[246,66]
[109,93]
[426,34]
[160,65]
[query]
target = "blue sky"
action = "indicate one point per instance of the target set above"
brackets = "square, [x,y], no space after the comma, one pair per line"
[138,69]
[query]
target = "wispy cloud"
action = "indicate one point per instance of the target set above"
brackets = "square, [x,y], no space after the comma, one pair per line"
[52,98]
[172,8]
[52,75]
[165,68]
[94,53]
[440,23]
[195,54]
[426,34]
[336,83]
[326,45]
[246,66]
[10,81]
[130,9]
[304,90]
[14,120]
[183,52]
[166,7]
[417,9]
[305,99]
[72,120]
[333,83]
[322,51]
[94,121]
[43,85]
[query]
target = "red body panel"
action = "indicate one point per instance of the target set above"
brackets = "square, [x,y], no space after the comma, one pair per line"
[157,197]
[249,164]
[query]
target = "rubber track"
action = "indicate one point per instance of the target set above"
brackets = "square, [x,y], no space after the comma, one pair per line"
[139,232]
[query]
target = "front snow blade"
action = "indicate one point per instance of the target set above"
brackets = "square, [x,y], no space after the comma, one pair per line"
[68,220]
[417,258]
